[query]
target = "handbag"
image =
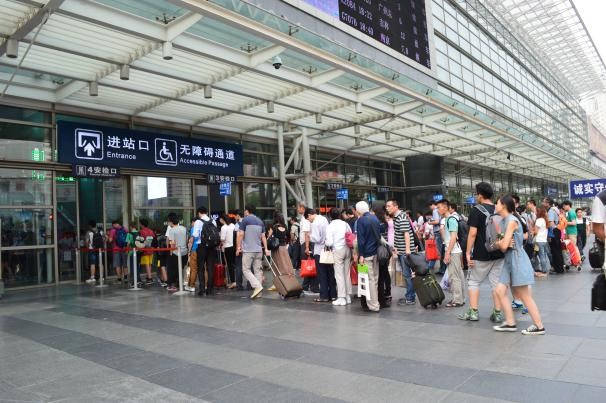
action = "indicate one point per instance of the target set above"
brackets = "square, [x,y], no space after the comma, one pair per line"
[353,273]
[273,243]
[308,268]
[416,261]
[383,254]
[350,239]
[431,250]
[327,256]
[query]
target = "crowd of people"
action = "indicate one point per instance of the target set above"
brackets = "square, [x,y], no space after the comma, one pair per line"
[506,243]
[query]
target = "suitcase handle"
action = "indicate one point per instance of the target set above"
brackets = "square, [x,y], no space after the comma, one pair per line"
[272,265]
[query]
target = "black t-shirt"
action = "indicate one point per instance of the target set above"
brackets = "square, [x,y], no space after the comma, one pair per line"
[477,219]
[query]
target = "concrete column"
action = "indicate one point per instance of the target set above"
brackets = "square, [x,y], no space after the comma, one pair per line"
[282,172]
[307,168]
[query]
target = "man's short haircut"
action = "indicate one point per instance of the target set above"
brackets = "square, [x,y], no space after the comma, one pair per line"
[251,208]
[393,201]
[144,222]
[454,206]
[578,209]
[485,190]
[532,201]
[116,222]
[516,198]
[567,203]
[202,210]
[444,201]
[92,223]
[549,200]
[335,213]
[237,212]
[172,217]
[348,211]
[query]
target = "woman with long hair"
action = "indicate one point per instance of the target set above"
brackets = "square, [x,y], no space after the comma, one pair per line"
[280,256]
[517,270]
[540,232]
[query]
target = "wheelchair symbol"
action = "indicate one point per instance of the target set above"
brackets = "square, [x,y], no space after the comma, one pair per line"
[166,152]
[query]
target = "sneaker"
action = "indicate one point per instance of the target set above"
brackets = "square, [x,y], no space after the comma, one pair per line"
[348,300]
[257,292]
[402,301]
[516,305]
[171,288]
[307,292]
[524,311]
[579,268]
[471,314]
[412,302]
[189,289]
[504,327]
[272,288]
[91,280]
[533,330]
[339,302]
[163,284]
[148,281]
[496,316]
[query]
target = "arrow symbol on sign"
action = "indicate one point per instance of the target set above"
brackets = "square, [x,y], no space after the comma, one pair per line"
[89,149]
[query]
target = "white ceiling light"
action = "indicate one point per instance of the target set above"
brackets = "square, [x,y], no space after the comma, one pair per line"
[357,129]
[167,50]
[208,91]
[93,89]
[124,72]
[270,107]
[358,107]
[357,141]
[318,118]
[387,136]
[12,48]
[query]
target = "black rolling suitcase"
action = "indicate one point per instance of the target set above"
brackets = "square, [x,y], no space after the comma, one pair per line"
[428,290]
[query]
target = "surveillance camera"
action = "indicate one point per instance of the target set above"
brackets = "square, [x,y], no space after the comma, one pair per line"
[277,62]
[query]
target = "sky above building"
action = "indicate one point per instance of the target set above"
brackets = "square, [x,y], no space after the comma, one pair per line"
[592,12]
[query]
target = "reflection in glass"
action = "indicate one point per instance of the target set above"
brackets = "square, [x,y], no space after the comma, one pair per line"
[25,187]
[26,227]
[158,217]
[161,192]
[27,267]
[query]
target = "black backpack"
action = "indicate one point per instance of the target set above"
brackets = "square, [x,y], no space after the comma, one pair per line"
[98,240]
[211,238]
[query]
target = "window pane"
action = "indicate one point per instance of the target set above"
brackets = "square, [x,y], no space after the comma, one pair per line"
[23,187]
[28,115]
[21,142]
[260,165]
[27,267]
[262,194]
[161,192]
[26,227]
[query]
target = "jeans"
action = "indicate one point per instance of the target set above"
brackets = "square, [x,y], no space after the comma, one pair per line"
[407,272]
[326,276]
[544,256]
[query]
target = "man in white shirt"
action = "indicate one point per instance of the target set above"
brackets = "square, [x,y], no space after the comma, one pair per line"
[177,238]
[598,215]
[310,284]
[326,273]
[453,255]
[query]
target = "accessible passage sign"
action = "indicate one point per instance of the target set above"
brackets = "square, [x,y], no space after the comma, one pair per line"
[98,145]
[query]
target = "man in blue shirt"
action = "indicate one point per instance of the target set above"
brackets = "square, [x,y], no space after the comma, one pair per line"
[368,231]
[250,244]
[435,221]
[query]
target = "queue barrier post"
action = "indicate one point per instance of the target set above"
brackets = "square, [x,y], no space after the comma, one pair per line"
[135,276]
[101,272]
[180,268]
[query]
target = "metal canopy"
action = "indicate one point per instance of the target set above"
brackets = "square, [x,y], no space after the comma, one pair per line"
[221,77]
[554,29]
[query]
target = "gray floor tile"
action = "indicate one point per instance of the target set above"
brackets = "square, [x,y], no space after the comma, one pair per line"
[194,380]
[359,362]
[256,391]
[518,388]
[9,393]
[584,371]
[144,363]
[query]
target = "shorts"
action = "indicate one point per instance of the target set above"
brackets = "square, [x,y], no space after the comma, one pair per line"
[119,259]
[162,260]
[93,257]
[146,260]
[482,269]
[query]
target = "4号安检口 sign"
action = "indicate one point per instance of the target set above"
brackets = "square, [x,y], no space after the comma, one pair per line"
[81,144]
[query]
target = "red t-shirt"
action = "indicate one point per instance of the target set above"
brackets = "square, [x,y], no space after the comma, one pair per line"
[146,232]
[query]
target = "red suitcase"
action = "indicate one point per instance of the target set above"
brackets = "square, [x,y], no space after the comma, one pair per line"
[575,258]
[219,272]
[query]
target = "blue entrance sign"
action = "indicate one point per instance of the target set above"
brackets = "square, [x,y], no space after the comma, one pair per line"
[586,188]
[225,189]
[81,144]
[470,199]
[342,194]
[437,197]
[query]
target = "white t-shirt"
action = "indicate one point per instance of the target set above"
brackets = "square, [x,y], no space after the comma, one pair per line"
[453,223]
[598,211]
[304,226]
[335,234]
[541,226]
[318,233]
[227,235]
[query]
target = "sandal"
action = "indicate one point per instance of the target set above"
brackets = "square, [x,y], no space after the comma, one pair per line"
[321,300]
[454,304]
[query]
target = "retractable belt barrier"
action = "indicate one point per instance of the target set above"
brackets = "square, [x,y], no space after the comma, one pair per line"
[135,250]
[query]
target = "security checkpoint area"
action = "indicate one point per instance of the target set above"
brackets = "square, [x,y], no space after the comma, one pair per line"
[115,113]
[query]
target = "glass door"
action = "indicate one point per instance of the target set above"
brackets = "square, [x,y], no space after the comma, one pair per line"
[67,228]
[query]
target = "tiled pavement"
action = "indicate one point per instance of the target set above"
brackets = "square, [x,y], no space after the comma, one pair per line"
[85,344]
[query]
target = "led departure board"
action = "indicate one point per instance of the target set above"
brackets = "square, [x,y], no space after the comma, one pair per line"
[399,24]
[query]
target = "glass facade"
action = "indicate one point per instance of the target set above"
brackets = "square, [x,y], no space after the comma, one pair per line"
[482,64]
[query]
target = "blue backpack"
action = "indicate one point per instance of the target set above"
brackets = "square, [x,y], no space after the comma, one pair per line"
[121,237]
